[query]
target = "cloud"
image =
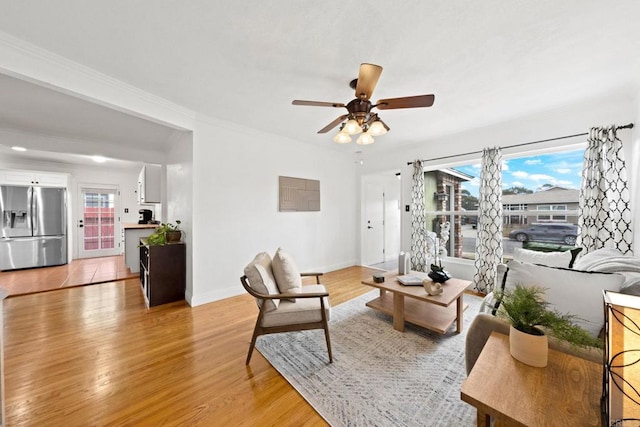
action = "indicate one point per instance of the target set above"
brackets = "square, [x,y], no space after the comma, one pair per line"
[564,171]
[566,184]
[542,177]
[505,165]
[531,162]
[518,184]
[520,174]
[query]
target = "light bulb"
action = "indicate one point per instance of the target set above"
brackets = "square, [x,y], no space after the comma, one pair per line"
[365,139]
[377,128]
[352,127]
[342,138]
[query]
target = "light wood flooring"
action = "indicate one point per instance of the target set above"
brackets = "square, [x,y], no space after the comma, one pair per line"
[95,355]
[76,273]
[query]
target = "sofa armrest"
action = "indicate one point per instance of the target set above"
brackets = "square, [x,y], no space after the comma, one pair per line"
[479,333]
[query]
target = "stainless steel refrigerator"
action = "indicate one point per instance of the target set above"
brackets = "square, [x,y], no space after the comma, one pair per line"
[34,227]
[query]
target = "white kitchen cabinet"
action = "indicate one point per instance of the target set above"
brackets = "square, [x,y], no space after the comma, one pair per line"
[46,179]
[150,184]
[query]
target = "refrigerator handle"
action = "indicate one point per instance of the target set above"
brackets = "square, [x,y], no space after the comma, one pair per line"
[34,212]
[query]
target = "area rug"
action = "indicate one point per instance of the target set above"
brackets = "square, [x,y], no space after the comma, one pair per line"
[379,376]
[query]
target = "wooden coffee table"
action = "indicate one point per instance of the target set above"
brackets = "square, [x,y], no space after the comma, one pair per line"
[436,313]
[564,393]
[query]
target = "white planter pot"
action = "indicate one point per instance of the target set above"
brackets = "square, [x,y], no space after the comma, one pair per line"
[532,350]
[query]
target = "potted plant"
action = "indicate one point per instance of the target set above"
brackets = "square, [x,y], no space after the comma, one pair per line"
[531,319]
[166,233]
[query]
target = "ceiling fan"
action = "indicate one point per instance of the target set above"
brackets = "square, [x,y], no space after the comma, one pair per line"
[359,117]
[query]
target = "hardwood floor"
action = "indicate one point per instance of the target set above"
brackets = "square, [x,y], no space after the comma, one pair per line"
[95,355]
[76,273]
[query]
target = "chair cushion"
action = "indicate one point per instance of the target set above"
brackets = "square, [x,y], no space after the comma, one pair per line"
[258,271]
[305,310]
[286,273]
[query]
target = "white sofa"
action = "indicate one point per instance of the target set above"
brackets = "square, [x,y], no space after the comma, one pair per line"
[576,290]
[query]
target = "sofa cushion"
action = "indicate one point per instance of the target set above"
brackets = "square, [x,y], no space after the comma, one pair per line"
[568,291]
[258,271]
[286,273]
[550,259]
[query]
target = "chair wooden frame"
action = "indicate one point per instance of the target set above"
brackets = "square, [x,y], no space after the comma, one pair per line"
[264,330]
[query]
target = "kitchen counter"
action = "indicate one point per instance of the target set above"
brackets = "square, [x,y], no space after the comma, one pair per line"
[134,225]
[132,234]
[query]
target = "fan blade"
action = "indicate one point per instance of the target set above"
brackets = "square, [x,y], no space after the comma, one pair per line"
[367,80]
[317,103]
[406,102]
[333,124]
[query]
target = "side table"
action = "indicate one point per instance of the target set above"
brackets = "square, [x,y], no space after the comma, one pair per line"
[565,393]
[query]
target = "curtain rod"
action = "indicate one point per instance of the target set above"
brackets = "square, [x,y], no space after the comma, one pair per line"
[629,126]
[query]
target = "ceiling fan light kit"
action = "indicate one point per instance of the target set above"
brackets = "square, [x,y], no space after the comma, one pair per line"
[352,127]
[365,139]
[342,138]
[360,119]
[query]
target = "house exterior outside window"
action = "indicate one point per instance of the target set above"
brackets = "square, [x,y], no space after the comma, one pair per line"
[443,193]
[561,203]
[551,217]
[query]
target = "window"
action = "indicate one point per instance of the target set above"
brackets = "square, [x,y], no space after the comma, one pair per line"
[537,189]
[562,218]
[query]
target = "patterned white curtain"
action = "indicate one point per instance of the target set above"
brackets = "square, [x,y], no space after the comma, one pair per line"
[605,214]
[418,221]
[489,239]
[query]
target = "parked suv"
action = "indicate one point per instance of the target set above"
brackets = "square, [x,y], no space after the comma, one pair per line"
[565,233]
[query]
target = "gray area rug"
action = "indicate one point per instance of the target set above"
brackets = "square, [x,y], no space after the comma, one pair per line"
[379,376]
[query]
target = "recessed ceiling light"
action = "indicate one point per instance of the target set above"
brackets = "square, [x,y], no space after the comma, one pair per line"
[19,148]
[99,159]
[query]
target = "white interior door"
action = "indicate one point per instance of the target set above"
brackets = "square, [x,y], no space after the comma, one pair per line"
[373,251]
[98,225]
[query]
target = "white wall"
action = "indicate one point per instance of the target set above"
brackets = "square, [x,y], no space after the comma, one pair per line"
[235,206]
[179,196]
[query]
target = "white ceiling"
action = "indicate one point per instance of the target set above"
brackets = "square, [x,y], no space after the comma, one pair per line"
[245,61]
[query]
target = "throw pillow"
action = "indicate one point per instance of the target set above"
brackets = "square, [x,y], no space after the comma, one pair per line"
[568,291]
[590,260]
[550,259]
[258,271]
[286,273]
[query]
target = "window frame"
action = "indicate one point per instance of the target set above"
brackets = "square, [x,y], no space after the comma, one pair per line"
[508,153]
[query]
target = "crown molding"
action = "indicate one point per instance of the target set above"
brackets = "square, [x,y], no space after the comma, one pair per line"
[28,62]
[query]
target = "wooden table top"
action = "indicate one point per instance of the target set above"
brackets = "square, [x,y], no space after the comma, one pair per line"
[451,289]
[565,393]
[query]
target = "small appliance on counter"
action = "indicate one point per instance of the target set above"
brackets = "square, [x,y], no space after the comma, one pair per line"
[146,216]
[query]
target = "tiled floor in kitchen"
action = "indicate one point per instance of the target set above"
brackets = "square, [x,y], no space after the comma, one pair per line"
[77,273]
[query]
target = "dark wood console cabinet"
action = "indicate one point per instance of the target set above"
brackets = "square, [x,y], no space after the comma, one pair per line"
[162,272]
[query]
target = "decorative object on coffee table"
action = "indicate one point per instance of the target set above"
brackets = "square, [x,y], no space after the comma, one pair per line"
[621,401]
[528,312]
[432,288]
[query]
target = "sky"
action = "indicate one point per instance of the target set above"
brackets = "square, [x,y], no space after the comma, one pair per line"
[562,169]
